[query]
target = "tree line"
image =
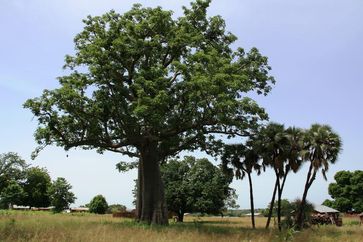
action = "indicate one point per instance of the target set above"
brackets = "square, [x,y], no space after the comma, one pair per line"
[23,185]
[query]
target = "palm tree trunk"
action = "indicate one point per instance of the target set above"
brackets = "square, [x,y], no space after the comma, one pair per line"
[280,188]
[271,206]
[309,180]
[251,201]
[279,193]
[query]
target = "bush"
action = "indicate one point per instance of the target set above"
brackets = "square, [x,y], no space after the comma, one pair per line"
[98,205]
[115,208]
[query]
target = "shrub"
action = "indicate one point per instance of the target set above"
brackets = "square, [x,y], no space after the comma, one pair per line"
[98,205]
[116,208]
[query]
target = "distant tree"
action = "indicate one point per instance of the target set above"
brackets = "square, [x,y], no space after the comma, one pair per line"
[195,185]
[321,148]
[98,205]
[328,203]
[12,194]
[347,191]
[114,208]
[147,85]
[357,190]
[240,160]
[231,201]
[36,186]
[12,168]
[343,204]
[60,195]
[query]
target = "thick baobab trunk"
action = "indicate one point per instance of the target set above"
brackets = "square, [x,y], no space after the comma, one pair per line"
[139,191]
[251,201]
[271,206]
[151,205]
[300,215]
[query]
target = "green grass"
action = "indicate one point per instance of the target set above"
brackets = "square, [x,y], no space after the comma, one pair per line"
[45,226]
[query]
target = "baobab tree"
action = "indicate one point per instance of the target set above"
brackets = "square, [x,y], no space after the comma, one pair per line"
[147,85]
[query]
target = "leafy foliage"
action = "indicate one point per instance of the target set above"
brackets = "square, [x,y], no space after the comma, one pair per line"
[60,195]
[195,185]
[98,205]
[21,184]
[12,168]
[12,194]
[114,208]
[289,212]
[347,191]
[144,75]
[286,208]
[36,187]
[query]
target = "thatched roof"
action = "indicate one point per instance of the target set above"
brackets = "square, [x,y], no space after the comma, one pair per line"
[324,209]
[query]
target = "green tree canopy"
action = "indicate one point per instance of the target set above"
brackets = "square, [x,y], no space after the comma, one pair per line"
[36,186]
[60,195]
[12,168]
[347,191]
[148,85]
[12,194]
[98,205]
[195,185]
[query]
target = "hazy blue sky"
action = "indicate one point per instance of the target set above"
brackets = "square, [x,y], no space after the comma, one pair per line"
[314,47]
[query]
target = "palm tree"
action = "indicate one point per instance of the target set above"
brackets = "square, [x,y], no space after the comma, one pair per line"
[243,160]
[321,148]
[292,160]
[271,143]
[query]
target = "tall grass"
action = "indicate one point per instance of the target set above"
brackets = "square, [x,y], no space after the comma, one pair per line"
[43,226]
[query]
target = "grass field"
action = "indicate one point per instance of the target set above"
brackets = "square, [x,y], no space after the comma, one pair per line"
[43,226]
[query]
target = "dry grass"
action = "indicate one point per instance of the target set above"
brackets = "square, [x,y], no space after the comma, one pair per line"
[42,226]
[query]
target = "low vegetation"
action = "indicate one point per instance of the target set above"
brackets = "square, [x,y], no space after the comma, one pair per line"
[44,226]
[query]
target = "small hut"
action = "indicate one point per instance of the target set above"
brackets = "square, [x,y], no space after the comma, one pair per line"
[321,211]
[16,207]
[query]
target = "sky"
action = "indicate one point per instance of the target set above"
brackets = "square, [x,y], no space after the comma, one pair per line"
[314,48]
